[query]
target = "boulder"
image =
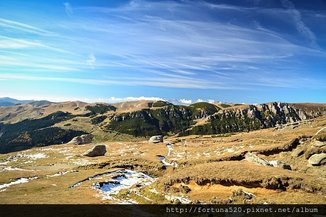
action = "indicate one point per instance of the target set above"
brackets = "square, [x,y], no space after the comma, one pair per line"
[156,139]
[184,189]
[314,150]
[319,144]
[274,163]
[83,139]
[255,159]
[297,152]
[280,164]
[317,159]
[98,150]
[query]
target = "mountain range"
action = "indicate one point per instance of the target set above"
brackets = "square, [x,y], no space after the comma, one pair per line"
[40,123]
[7,101]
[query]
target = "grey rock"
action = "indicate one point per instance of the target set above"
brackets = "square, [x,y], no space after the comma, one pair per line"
[83,139]
[274,163]
[255,159]
[184,189]
[156,139]
[242,193]
[98,150]
[317,159]
[319,144]
[280,164]
[297,152]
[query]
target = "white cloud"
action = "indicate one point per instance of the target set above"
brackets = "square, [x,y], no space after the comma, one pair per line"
[68,9]
[14,44]
[131,98]
[159,44]
[91,60]
[185,101]
[301,27]
[23,27]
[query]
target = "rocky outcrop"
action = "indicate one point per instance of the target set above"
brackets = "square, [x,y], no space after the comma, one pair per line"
[274,163]
[314,150]
[319,144]
[317,159]
[280,164]
[255,159]
[298,152]
[156,139]
[174,119]
[98,150]
[83,139]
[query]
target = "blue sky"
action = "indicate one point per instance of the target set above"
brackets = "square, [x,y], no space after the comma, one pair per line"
[250,51]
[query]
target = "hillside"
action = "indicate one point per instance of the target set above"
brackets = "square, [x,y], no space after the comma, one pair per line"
[42,123]
[197,169]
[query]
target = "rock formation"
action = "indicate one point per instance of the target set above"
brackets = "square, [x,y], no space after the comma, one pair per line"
[317,159]
[156,139]
[98,150]
[83,139]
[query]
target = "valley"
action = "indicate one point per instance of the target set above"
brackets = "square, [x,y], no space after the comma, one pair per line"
[241,154]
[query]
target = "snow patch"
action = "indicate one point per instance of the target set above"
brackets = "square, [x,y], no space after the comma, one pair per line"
[181,199]
[82,162]
[125,179]
[13,169]
[36,156]
[60,173]
[17,181]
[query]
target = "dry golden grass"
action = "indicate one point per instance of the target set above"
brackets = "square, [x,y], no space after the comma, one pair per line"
[211,165]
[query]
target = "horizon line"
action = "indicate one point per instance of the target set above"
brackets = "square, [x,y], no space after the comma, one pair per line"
[116,100]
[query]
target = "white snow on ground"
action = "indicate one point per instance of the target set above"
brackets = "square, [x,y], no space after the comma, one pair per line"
[13,169]
[60,173]
[4,163]
[182,199]
[165,163]
[16,182]
[125,180]
[82,162]
[35,156]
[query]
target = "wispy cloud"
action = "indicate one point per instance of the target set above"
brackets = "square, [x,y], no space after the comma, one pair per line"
[23,27]
[185,101]
[68,9]
[14,44]
[91,60]
[187,44]
[300,25]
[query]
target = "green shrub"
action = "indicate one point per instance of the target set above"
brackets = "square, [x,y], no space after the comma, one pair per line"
[98,119]
[100,108]
[160,103]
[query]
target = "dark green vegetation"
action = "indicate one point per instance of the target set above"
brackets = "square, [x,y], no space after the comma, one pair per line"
[38,132]
[148,122]
[173,119]
[100,108]
[170,119]
[222,123]
[98,119]
[202,109]
[159,103]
